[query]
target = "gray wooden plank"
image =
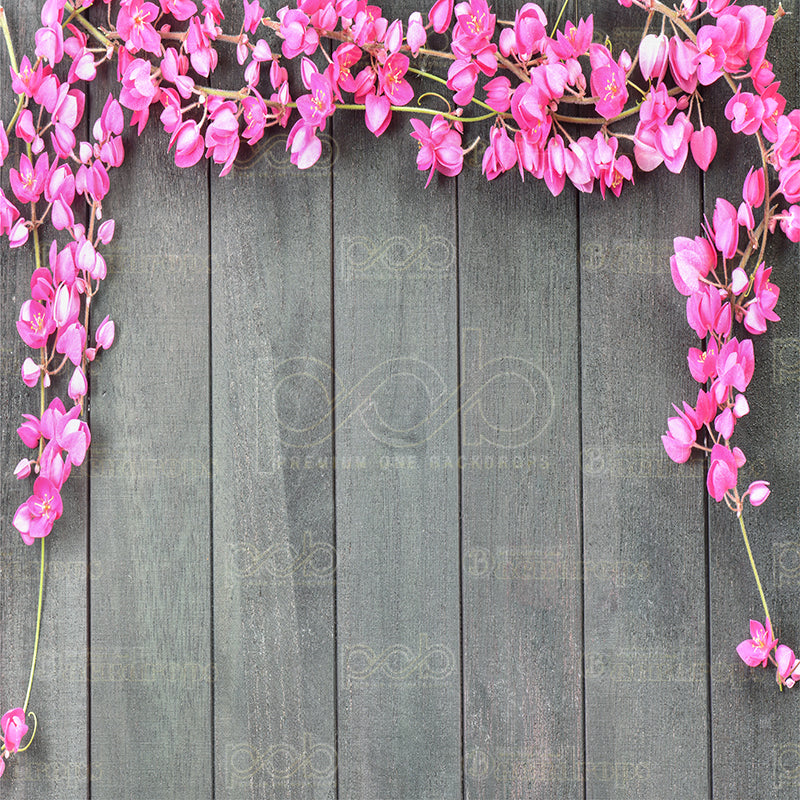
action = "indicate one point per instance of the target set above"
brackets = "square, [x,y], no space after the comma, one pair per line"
[521,490]
[753,724]
[645,622]
[520,457]
[274,556]
[54,766]
[394,297]
[150,670]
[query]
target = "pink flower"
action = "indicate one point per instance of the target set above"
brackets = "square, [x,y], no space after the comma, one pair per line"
[134,24]
[416,36]
[789,185]
[680,438]
[753,188]
[473,29]
[77,385]
[672,142]
[683,63]
[12,723]
[35,324]
[607,82]
[735,366]
[440,15]
[180,9]
[703,144]
[34,519]
[28,183]
[252,15]
[530,33]
[378,112]
[461,79]
[105,333]
[23,469]
[760,309]
[788,667]
[297,36]
[222,139]
[50,43]
[73,435]
[71,341]
[306,147]
[174,67]
[139,89]
[315,108]
[439,147]
[790,223]
[498,93]
[500,155]
[653,56]
[758,492]
[30,372]
[574,42]
[723,470]
[693,260]
[198,45]
[726,228]
[703,365]
[188,141]
[745,111]
[392,82]
[756,650]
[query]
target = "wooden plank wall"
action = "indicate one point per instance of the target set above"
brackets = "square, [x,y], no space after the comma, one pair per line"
[377,507]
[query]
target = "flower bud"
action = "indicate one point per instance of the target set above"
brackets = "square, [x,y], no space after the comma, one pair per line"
[105,333]
[77,385]
[753,190]
[758,492]
[105,233]
[23,469]
[653,56]
[30,372]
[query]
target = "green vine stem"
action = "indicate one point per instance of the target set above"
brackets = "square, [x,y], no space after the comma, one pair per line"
[38,628]
[755,571]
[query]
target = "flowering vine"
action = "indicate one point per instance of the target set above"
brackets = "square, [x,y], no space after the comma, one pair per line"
[534,90]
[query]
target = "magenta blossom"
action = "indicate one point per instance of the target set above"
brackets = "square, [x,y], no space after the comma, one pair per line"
[13,726]
[439,147]
[756,650]
[723,470]
[34,519]
[788,671]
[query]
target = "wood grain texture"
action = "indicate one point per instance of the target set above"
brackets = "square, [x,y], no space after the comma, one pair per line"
[394,300]
[274,556]
[645,619]
[520,471]
[150,658]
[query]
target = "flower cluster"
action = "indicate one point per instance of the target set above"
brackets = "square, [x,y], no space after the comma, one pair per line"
[526,76]
[717,298]
[757,651]
[51,186]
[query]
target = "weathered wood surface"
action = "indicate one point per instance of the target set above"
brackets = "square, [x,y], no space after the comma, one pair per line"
[377,507]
